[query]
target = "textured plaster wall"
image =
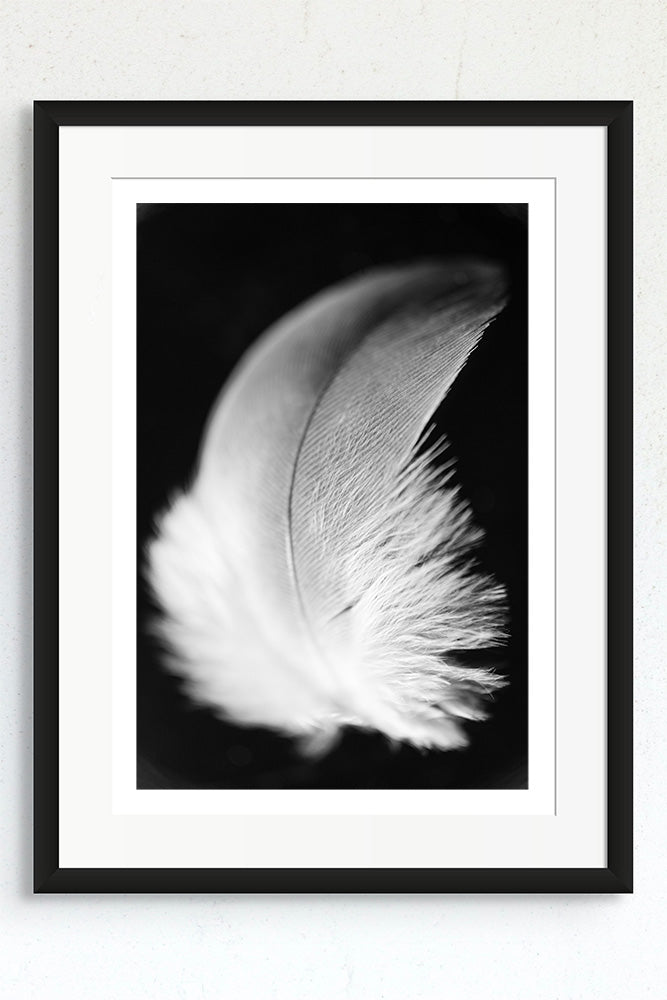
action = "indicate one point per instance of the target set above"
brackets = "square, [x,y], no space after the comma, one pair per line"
[168,947]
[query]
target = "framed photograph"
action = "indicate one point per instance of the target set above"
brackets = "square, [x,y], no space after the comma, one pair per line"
[333,497]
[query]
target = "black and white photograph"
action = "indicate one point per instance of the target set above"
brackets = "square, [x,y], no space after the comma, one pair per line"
[332,496]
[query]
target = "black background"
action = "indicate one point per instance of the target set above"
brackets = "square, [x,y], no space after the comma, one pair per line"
[210,279]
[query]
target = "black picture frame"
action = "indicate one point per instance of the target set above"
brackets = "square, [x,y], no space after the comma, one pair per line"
[616,118]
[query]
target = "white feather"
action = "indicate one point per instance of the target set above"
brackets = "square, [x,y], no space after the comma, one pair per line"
[318,572]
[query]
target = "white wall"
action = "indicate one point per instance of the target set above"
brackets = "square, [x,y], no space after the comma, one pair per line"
[389,947]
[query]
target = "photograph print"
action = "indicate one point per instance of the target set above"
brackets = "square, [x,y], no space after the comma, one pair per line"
[332,496]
